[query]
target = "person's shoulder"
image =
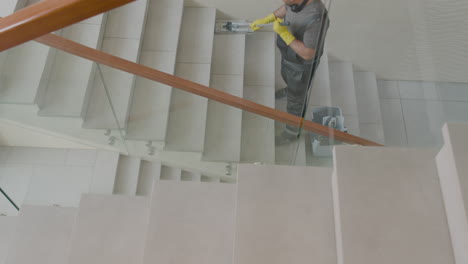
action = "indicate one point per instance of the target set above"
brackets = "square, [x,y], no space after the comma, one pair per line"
[316,6]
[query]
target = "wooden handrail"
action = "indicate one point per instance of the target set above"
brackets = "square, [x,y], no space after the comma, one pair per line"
[48,16]
[195,88]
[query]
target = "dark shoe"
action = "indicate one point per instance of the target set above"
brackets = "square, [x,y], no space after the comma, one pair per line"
[281,93]
[285,138]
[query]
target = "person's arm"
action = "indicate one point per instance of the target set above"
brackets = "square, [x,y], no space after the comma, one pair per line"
[280,12]
[299,47]
[296,45]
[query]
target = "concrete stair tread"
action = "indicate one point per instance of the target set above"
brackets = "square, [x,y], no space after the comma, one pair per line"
[105,172]
[118,222]
[150,103]
[8,230]
[44,233]
[187,116]
[258,133]
[67,83]
[368,104]
[224,123]
[343,93]
[284,207]
[170,173]
[185,213]
[397,195]
[21,71]
[149,173]
[452,170]
[126,181]
[122,37]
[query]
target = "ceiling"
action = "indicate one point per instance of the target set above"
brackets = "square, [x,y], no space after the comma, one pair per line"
[398,39]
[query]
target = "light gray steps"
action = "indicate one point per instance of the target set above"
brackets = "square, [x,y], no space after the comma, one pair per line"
[7,7]
[8,230]
[284,215]
[392,113]
[128,170]
[170,173]
[20,67]
[389,206]
[149,109]
[368,104]
[258,133]
[320,94]
[188,112]
[190,176]
[453,171]
[21,73]
[105,172]
[109,229]
[42,235]
[224,123]
[66,85]
[149,173]
[191,223]
[122,38]
[343,93]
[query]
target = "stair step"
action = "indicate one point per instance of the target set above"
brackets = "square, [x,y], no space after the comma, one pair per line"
[8,230]
[184,214]
[67,84]
[150,103]
[387,200]
[224,123]
[453,171]
[23,67]
[170,173]
[149,173]
[8,7]
[110,229]
[122,38]
[190,176]
[287,208]
[320,95]
[105,172]
[258,133]
[343,93]
[368,103]
[392,114]
[42,235]
[187,116]
[126,181]
[18,81]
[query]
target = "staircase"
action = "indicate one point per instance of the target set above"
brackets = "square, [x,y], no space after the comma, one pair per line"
[377,205]
[46,177]
[66,94]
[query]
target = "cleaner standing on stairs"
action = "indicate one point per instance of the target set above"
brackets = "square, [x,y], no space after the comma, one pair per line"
[301,45]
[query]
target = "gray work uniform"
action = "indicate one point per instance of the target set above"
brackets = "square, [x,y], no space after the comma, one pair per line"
[306,26]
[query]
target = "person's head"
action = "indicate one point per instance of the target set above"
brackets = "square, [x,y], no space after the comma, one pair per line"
[296,5]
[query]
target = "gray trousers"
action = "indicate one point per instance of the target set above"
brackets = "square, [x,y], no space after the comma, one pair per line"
[296,76]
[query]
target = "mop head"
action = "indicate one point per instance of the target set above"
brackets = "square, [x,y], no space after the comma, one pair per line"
[239,27]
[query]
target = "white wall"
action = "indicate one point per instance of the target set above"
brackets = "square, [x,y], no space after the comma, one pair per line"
[414,112]
[41,176]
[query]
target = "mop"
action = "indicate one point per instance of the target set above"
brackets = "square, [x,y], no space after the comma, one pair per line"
[239,27]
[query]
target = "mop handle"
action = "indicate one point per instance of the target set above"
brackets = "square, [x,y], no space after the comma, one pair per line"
[282,24]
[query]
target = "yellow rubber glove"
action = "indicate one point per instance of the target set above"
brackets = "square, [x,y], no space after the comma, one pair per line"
[266,20]
[283,31]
